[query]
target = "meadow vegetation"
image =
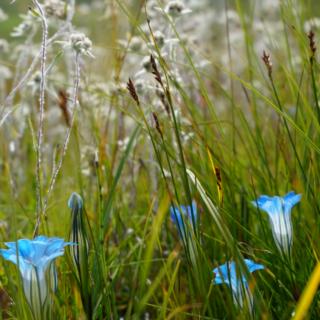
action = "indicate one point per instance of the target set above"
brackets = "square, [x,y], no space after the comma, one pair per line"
[159,159]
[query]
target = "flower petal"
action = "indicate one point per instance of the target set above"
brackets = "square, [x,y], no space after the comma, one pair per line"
[290,200]
[252,266]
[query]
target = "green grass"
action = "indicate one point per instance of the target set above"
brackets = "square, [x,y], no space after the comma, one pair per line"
[250,134]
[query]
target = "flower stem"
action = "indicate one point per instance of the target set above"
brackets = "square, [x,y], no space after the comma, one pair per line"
[41,114]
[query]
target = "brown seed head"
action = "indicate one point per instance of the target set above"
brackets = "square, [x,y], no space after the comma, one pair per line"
[132,90]
[63,105]
[312,43]
[155,70]
[267,61]
[157,124]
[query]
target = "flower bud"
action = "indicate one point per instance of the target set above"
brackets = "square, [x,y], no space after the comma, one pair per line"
[80,252]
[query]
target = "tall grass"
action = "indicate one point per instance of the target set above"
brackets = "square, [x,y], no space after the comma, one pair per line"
[219,120]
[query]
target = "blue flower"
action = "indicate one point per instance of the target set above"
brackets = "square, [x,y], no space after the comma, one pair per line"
[279,211]
[35,260]
[182,215]
[78,232]
[230,275]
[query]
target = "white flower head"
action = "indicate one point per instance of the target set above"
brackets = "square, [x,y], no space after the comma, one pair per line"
[3,15]
[159,38]
[4,46]
[5,73]
[136,44]
[55,8]
[24,27]
[81,44]
[312,24]
[176,8]
[146,63]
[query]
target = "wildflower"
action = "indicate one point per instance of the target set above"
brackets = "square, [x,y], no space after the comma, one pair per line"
[55,8]
[78,234]
[279,211]
[81,44]
[312,24]
[175,8]
[141,85]
[228,274]
[136,44]
[24,27]
[5,73]
[152,8]
[4,46]
[35,259]
[80,252]
[34,82]
[146,64]
[159,38]
[179,215]
[3,15]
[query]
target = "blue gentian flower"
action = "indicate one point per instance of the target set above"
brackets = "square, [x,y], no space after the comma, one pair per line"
[35,259]
[279,211]
[80,252]
[78,235]
[78,232]
[182,215]
[228,274]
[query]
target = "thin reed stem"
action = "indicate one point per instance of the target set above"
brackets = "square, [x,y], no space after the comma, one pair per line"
[41,113]
[68,134]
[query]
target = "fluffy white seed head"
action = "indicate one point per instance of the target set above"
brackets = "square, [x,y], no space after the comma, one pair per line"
[3,15]
[176,8]
[81,43]
[55,8]
[159,38]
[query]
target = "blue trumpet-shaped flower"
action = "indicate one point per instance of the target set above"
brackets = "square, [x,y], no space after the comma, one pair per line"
[35,261]
[230,275]
[279,211]
[182,215]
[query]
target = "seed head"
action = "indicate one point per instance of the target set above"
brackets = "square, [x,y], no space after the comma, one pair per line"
[81,43]
[132,90]
[157,123]
[175,8]
[136,44]
[267,61]
[146,64]
[159,38]
[312,43]
[55,8]
[5,73]
[24,27]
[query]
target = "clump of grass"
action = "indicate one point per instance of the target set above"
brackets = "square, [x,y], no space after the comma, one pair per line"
[172,129]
